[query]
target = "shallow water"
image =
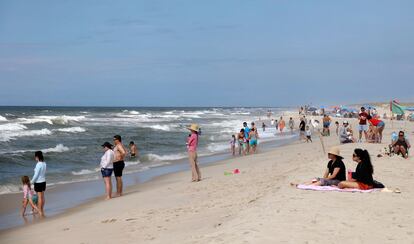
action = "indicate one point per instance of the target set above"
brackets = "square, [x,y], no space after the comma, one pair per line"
[71,138]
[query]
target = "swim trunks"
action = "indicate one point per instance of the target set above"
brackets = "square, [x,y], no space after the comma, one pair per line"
[118,168]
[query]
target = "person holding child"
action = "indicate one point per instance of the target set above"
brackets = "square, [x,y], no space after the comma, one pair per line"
[28,196]
[362,177]
[335,170]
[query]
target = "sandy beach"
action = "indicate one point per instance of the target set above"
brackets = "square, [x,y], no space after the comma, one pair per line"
[256,206]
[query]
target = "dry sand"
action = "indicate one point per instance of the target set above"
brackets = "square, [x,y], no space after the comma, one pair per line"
[256,206]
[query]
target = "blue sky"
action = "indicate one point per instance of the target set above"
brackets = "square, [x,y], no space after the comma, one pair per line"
[205,53]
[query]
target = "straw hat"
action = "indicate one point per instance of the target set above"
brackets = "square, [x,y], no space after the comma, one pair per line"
[335,151]
[194,127]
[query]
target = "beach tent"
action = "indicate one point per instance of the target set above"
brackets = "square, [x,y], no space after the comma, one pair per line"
[311,109]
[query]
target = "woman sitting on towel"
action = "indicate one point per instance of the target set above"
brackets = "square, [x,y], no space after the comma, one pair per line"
[335,170]
[362,177]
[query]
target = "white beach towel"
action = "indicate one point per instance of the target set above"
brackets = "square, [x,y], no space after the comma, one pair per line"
[332,188]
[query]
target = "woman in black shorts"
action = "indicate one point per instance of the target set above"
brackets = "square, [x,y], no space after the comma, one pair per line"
[39,181]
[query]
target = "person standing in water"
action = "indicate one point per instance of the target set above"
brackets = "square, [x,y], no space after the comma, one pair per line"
[253,136]
[263,127]
[119,164]
[192,143]
[39,181]
[291,125]
[133,149]
[282,124]
[246,136]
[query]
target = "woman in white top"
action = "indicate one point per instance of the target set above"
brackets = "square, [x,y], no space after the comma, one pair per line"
[107,166]
[39,181]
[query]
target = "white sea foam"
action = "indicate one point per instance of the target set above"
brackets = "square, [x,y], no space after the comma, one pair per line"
[129,163]
[134,112]
[9,188]
[2,119]
[72,130]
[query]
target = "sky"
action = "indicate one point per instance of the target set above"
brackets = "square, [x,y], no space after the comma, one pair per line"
[205,53]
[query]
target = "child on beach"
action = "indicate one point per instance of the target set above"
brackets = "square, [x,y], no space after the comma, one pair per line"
[233,145]
[28,196]
[308,134]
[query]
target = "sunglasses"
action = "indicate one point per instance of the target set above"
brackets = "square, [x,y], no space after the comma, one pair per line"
[400,135]
[354,155]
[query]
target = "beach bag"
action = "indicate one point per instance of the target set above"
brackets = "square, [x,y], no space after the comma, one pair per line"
[378,184]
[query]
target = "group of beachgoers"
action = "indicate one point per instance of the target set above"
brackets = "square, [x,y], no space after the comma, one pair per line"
[111,162]
[246,139]
[335,172]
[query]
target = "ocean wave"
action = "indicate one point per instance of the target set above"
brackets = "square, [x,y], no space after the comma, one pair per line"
[218,147]
[52,120]
[57,148]
[72,130]
[12,135]
[85,171]
[12,127]
[159,127]
[157,158]
[2,119]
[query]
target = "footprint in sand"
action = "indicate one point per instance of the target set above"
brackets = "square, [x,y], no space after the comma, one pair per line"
[108,221]
[130,219]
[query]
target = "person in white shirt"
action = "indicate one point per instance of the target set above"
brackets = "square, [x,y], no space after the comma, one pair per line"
[39,181]
[107,166]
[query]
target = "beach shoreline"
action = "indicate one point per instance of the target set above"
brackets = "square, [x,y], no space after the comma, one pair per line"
[256,206]
[93,191]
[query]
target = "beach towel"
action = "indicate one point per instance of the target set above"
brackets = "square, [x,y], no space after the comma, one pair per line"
[332,188]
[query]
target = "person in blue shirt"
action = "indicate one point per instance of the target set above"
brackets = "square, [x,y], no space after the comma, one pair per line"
[246,136]
[39,181]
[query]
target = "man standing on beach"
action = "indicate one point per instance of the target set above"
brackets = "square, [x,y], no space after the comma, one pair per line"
[363,126]
[246,136]
[119,164]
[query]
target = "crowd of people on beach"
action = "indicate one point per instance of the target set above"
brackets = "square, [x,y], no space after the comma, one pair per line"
[246,140]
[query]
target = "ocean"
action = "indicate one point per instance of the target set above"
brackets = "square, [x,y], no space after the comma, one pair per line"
[71,138]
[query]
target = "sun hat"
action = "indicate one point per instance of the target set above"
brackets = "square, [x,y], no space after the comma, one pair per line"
[346,122]
[107,144]
[194,127]
[335,151]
